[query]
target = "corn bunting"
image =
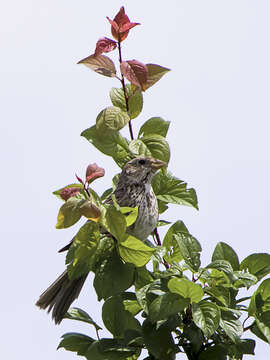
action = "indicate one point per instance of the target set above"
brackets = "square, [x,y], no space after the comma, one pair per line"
[133,189]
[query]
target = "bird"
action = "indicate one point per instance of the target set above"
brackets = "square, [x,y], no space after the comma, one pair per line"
[134,188]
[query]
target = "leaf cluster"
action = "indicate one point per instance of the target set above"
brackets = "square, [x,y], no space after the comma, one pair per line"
[185,308]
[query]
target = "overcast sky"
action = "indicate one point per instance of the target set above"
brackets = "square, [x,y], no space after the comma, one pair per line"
[216,97]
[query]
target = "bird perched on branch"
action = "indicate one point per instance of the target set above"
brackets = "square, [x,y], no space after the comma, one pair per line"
[133,189]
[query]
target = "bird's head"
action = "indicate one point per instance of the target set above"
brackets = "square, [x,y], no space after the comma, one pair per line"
[142,169]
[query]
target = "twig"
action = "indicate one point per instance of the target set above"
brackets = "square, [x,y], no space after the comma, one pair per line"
[125,90]
[247,327]
[157,236]
[167,266]
[97,334]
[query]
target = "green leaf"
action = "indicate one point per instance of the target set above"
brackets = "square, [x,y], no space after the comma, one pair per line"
[135,100]
[76,342]
[135,251]
[155,73]
[225,252]
[110,143]
[163,223]
[206,316]
[220,293]
[116,319]
[215,278]
[143,277]
[216,352]
[263,324]
[224,266]
[169,242]
[118,98]
[260,334]
[116,222]
[113,277]
[244,279]
[159,342]
[81,315]
[161,207]
[146,294]
[256,331]
[186,288]
[189,247]
[111,118]
[232,327]
[158,146]
[194,335]
[101,64]
[166,305]
[104,250]
[135,104]
[138,147]
[257,264]
[81,254]
[106,194]
[132,306]
[155,125]
[141,295]
[110,349]
[69,213]
[259,298]
[130,214]
[243,346]
[169,189]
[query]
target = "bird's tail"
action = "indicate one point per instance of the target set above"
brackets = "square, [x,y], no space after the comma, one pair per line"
[60,295]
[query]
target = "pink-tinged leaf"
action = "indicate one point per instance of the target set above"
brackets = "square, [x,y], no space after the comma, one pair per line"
[79,179]
[121,25]
[90,210]
[135,72]
[128,26]
[121,17]
[58,192]
[69,192]
[104,45]
[101,64]
[113,23]
[155,73]
[93,172]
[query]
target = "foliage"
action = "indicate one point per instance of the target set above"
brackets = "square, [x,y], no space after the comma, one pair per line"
[180,306]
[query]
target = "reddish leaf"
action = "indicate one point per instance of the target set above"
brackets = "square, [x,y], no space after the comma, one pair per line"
[69,192]
[121,25]
[128,26]
[104,45]
[100,64]
[135,72]
[93,172]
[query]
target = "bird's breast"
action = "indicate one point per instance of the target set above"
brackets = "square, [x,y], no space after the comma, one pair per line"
[147,215]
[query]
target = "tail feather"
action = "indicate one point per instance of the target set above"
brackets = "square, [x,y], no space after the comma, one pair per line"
[60,295]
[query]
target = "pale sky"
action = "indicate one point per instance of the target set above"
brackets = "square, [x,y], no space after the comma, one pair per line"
[216,97]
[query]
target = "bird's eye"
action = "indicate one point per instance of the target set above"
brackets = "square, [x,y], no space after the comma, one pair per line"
[142,162]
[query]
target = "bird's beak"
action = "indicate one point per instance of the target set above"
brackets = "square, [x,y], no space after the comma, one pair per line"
[157,164]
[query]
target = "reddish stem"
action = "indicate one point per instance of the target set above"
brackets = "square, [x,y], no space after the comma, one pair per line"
[125,90]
